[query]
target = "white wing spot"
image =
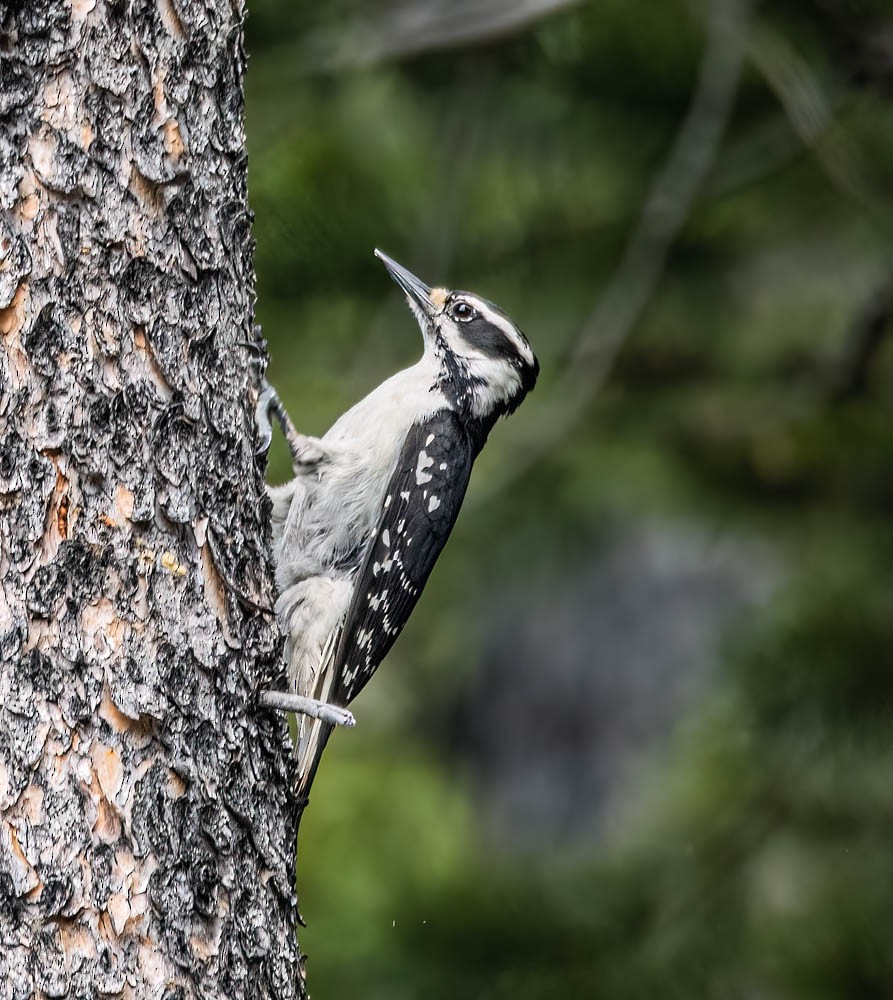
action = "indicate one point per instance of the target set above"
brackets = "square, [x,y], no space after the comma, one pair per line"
[421,476]
[386,537]
[404,495]
[433,504]
[443,466]
[429,439]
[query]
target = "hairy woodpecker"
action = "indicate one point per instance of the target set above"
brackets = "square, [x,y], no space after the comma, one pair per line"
[372,503]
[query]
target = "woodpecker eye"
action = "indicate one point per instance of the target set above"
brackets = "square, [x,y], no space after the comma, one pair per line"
[462,311]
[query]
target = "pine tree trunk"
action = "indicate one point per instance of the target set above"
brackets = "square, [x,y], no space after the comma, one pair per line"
[147,835]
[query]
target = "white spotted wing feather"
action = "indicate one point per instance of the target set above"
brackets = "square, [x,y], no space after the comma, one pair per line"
[421,504]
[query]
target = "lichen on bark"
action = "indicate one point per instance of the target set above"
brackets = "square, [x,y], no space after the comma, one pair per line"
[146,828]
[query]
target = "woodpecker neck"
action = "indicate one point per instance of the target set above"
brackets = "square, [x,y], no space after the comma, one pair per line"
[480,392]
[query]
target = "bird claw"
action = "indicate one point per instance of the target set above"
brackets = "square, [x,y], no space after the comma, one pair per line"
[337,716]
[262,418]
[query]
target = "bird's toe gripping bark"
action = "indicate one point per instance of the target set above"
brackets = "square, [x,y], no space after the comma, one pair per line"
[265,401]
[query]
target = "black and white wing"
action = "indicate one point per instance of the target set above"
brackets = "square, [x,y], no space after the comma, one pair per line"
[420,508]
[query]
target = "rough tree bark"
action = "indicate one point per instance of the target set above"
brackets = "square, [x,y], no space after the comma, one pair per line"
[146,842]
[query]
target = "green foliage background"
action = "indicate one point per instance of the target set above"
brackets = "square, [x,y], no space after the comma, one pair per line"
[758,861]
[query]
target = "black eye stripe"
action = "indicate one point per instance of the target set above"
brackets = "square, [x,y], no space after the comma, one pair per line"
[488,339]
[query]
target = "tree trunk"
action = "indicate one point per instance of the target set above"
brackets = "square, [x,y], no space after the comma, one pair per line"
[147,836]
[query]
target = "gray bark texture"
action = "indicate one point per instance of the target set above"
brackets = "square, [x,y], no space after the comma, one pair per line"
[146,826]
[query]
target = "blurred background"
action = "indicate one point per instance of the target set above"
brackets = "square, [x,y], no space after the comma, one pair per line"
[637,739]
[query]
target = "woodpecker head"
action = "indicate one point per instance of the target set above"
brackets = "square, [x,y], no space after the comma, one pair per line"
[486,364]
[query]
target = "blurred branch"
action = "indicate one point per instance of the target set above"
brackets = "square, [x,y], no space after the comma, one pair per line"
[413,26]
[671,198]
[809,111]
[667,207]
[850,375]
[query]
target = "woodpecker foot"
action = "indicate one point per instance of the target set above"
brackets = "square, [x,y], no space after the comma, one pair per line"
[334,715]
[304,450]
[262,417]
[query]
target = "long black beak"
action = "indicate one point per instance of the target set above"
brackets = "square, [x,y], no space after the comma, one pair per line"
[416,290]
